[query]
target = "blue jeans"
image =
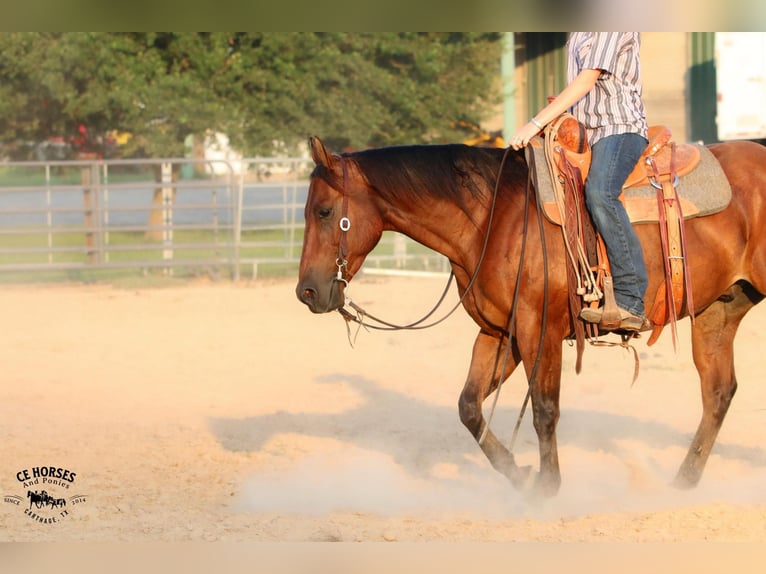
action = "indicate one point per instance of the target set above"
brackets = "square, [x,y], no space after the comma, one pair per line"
[612,160]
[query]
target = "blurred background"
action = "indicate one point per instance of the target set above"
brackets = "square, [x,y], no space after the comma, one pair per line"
[184,154]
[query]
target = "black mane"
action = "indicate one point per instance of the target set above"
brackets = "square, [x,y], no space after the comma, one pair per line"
[425,172]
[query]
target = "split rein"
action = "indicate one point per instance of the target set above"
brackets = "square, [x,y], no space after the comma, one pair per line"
[361,315]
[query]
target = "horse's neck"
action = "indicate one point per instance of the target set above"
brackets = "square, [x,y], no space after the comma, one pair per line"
[442,226]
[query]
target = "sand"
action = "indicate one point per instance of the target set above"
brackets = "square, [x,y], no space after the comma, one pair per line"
[228,412]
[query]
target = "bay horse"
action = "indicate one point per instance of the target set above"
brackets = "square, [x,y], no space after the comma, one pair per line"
[442,197]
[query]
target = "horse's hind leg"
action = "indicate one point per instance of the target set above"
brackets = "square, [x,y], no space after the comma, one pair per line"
[713,351]
[478,386]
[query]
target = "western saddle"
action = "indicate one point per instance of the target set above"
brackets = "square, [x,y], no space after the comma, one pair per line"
[588,272]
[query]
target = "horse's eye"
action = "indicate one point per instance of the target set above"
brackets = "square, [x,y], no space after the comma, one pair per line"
[324,212]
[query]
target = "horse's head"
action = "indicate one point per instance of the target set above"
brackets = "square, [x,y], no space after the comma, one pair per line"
[342,226]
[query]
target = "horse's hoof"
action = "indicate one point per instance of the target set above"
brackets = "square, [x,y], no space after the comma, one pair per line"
[683,482]
[547,487]
[522,478]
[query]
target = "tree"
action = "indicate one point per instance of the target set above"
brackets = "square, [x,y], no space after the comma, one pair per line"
[360,90]
[261,89]
[170,79]
[154,86]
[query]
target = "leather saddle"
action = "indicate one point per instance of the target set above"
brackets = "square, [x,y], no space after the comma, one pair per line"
[660,166]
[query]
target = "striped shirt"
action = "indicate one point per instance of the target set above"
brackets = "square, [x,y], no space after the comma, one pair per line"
[614,105]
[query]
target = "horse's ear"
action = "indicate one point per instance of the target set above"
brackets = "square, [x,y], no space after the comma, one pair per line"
[320,154]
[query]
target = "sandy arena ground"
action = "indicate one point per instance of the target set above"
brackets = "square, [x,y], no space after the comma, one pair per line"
[221,412]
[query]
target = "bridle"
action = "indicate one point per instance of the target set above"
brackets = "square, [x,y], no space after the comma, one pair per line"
[345,224]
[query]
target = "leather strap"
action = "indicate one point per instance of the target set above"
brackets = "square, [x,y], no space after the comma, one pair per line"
[344,222]
[668,303]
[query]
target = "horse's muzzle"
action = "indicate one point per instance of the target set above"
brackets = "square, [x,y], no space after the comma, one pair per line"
[320,300]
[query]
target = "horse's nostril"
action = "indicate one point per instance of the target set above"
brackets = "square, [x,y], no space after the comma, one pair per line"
[307,295]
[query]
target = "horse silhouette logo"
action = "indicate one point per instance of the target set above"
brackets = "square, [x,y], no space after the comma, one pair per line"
[42,499]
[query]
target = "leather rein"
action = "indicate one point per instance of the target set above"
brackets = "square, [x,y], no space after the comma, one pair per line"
[361,315]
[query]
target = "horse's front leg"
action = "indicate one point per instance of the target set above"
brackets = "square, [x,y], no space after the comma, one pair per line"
[478,386]
[545,391]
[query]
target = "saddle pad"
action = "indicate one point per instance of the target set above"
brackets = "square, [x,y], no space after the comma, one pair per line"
[704,191]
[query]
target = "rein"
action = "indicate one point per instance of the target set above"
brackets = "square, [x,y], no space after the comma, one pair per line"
[530,157]
[361,314]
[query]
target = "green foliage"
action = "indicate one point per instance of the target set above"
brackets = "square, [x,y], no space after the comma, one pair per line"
[267,91]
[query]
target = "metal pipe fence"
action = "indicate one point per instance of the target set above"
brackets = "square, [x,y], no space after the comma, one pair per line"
[178,216]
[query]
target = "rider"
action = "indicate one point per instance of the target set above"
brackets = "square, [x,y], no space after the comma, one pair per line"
[604,94]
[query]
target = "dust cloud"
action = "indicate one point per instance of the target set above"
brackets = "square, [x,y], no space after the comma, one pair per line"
[363,481]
